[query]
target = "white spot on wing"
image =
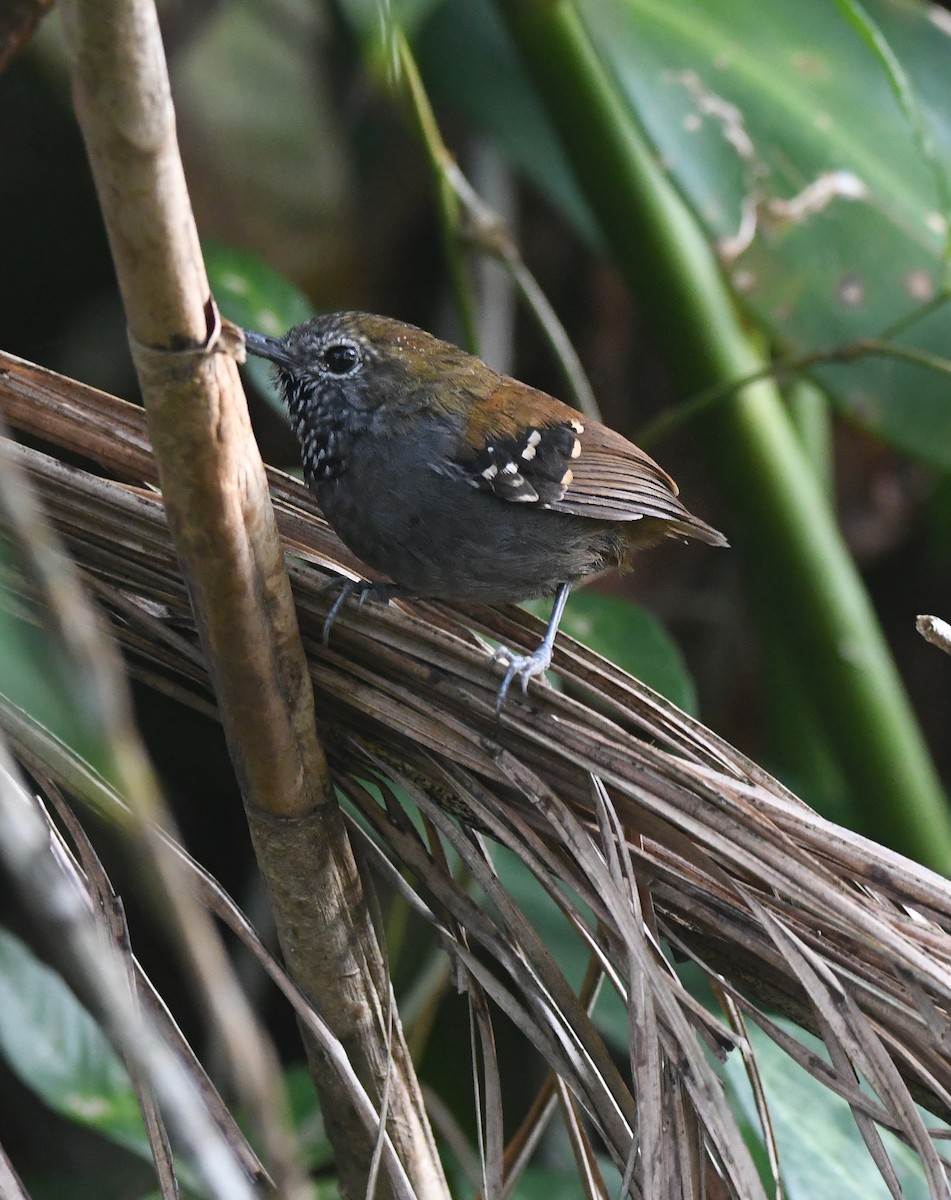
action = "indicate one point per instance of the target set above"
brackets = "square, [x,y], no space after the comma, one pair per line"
[533,439]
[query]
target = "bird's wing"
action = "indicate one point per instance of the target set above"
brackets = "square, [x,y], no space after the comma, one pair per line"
[524,449]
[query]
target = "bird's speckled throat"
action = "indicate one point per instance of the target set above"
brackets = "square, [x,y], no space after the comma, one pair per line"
[321,423]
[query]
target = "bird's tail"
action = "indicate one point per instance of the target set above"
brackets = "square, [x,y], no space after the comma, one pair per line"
[692,527]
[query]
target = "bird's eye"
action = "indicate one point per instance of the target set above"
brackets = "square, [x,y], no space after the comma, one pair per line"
[343,358]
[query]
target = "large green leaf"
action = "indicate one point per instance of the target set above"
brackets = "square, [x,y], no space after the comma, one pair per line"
[822,1154]
[781,126]
[55,1047]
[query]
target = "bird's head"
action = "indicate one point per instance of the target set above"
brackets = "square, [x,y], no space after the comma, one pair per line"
[360,363]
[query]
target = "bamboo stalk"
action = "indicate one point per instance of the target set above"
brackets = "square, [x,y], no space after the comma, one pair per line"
[216,500]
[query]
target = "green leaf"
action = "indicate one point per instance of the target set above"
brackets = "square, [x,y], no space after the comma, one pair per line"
[629,636]
[561,1183]
[37,681]
[814,148]
[821,1152]
[781,126]
[562,941]
[56,1049]
[307,1118]
[371,18]
[256,297]
[38,678]
[250,293]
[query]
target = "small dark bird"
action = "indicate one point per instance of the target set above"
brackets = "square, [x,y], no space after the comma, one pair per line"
[457,483]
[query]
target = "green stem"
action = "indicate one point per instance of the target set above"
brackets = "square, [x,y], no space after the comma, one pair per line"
[450,209]
[468,221]
[780,512]
[780,369]
[810,414]
[805,755]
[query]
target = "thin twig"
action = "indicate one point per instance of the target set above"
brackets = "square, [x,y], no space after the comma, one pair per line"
[935,631]
[468,221]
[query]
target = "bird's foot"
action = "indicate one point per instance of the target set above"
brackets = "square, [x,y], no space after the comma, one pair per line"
[522,667]
[363,589]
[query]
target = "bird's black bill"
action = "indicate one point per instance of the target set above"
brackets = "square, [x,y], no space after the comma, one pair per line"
[267,347]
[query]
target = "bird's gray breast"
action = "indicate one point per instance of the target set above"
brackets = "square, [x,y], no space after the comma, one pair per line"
[429,530]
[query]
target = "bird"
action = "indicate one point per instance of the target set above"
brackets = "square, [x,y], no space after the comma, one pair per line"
[454,482]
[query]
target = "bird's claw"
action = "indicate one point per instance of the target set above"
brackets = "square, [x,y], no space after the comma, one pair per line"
[363,589]
[347,588]
[522,667]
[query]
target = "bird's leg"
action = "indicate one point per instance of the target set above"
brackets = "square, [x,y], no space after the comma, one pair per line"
[526,666]
[363,589]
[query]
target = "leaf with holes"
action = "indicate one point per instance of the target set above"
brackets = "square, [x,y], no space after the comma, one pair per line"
[785,131]
[795,134]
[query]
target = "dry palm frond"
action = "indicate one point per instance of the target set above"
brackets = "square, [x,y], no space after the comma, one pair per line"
[644,826]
